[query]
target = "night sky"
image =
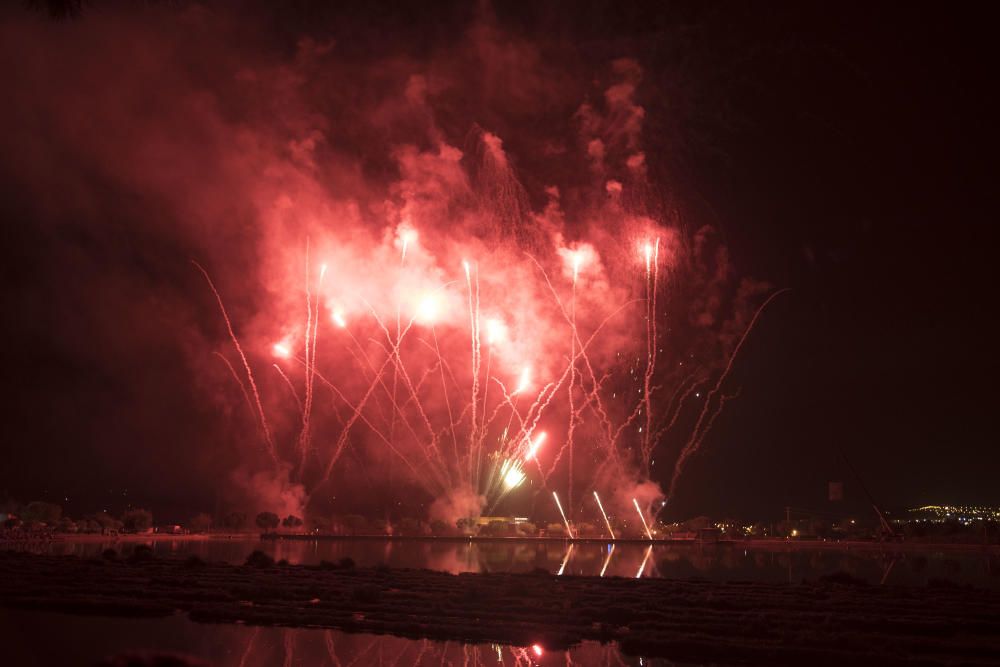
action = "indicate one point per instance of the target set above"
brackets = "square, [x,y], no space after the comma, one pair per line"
[844,151]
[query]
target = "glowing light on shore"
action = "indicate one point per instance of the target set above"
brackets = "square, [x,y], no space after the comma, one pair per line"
[604,514]
[569,531]
[534,445]
[642,518]
[338,319]
[537,650]
[281,350]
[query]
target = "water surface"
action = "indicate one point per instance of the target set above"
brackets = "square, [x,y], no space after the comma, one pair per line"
[723,562]
[42,639]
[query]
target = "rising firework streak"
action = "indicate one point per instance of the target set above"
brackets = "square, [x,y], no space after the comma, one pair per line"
[642,518]
[569,531]
[604,514]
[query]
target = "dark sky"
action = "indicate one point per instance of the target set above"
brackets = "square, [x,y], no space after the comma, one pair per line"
[843,150]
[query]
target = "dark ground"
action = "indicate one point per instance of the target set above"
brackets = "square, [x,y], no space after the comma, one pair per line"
[835,621]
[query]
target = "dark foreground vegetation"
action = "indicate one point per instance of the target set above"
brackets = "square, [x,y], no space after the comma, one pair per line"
[837,620]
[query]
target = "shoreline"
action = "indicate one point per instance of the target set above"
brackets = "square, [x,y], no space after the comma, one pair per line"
[749,545]
[830,621]
[761,544]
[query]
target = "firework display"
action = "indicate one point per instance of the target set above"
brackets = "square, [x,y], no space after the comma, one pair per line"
[469,356]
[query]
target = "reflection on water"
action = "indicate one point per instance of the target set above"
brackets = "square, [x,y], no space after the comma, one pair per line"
[715,562]
[84,640]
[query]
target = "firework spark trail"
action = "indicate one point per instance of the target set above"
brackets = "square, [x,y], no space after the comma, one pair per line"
[700,429]
[401,372]
[651,343]
[569,530]
[594,395]
[642,518]
[315,333]
[336,411]
[356,415]
[478,437]
[604,514]
[395,376]
[239,381]
[572,379]
[597,405]
[395,357]
[397,361]
[511,448]
[534,445]
[509,400]
[505,442]
[534,412]
[723,399]
[291,387]
[406,236]
[543,402]
[447,367]
[584,346]
[304,432]
[564,447]
[444,389]
[368,370]
[676,403]
[380,378]
[511,475]
[571,319]
[246,365]
[613,461]
[412,389]
[482,428]
[594,400]
[645,404]
[473,341]
[444,367]
[512,401]
[607,560]
[311,346]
